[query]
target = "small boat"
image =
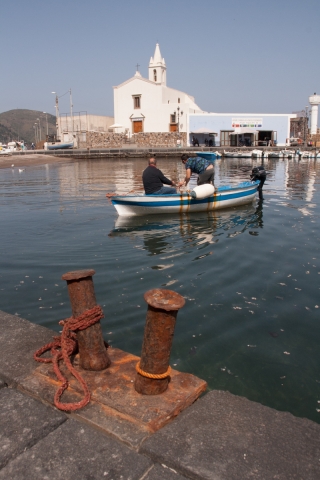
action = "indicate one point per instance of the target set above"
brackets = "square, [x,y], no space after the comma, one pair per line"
[223,197]
[207,155]
[256,153]
[305,154]
[237,154]
[288,153]
[57,146]
[5,150]
[275,155]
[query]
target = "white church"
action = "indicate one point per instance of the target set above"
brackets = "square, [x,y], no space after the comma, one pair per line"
[148,105]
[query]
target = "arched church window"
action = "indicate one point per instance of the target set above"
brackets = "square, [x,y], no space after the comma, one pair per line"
[155,75]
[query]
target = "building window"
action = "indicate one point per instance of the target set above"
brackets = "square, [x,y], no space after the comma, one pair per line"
[178,100]
[155,75]
[173,118]
[137,101]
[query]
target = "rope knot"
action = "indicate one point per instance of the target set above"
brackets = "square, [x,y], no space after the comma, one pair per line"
[62,347]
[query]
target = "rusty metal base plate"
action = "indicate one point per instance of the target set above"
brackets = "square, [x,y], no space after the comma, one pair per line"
[115,406]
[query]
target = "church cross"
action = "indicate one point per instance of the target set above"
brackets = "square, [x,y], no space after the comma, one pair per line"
[138,67]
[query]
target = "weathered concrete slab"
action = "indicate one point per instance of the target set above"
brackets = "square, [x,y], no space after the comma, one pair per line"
[115,405]
[75,451]
[23,422]
[160,472]
[226,437]
[18,340]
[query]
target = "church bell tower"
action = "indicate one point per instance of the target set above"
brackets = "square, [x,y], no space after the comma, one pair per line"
[157,68]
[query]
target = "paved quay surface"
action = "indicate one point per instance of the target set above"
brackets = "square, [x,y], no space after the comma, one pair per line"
[220,437]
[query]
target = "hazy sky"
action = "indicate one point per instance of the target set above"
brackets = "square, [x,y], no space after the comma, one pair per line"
[241,56]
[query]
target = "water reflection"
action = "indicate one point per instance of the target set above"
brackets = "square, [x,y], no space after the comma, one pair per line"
[202,229]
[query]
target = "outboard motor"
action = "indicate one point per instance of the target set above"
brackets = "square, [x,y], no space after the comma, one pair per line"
[259,173]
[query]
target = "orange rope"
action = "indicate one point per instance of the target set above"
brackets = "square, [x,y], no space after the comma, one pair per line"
[157,376]
[62,348]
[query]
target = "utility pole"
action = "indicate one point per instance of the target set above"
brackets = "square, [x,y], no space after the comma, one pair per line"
[39,129]
[71,113]
[46,122]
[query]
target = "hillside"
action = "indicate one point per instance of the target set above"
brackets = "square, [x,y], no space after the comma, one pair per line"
[19,125]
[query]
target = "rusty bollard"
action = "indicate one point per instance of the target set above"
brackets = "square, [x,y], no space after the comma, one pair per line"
[163,307]
[92,351]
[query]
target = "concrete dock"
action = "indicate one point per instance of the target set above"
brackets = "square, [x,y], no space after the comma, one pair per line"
[220,437]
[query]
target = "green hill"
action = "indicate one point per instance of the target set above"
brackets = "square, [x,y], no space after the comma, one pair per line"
[17,125]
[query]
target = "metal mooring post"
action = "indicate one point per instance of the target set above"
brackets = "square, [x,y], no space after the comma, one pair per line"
[153,369]
[92,350]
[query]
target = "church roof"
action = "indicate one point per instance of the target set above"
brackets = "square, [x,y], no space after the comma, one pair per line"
[137,76]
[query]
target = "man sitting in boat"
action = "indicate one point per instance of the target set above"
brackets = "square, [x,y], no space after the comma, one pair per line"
[201,166]
[153,180]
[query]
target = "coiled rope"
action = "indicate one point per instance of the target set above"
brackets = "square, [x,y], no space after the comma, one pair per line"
[157,376]
[62,348]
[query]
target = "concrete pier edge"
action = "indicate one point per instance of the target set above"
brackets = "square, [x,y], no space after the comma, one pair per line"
[145,152]
[220,436]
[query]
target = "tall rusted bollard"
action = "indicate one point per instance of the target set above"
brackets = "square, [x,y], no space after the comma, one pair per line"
[163,306]
[92,351]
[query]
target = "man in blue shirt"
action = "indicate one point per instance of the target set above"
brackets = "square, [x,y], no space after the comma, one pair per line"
[201,166]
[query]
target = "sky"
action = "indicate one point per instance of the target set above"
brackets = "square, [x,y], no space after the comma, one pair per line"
[235,56]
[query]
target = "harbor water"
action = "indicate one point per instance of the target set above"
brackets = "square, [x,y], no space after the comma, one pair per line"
[250,275]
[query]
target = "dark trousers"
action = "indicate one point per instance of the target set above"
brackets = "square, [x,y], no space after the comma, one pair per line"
[206,177]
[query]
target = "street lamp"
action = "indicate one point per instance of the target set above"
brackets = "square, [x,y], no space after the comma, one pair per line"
[39,129]
[36,131]
[178,109]
[56,106]
[46,122]
[57,109]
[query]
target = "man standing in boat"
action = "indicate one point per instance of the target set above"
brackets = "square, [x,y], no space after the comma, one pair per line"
[153,180]
[201,166]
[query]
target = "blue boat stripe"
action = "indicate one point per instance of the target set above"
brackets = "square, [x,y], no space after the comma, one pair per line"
[176,201]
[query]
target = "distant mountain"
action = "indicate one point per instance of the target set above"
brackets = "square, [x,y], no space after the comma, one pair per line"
[19,124]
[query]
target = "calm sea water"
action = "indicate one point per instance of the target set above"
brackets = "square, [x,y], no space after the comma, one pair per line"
[250,276]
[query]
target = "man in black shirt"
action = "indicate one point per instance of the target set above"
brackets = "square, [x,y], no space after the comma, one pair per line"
[153,180]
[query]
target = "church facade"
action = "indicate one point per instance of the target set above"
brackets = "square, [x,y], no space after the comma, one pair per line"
[148,105]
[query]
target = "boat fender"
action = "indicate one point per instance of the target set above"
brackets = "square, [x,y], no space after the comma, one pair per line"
[202,191]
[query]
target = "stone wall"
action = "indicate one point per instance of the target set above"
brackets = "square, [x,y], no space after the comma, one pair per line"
[160,139]
[105,140]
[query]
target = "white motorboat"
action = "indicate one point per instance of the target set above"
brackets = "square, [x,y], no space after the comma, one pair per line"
[275,154]
[256,153]
[4,150]
[238,154]
[288,153]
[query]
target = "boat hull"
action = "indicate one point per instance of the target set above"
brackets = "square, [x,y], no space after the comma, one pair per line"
[237,154]
[207,155]
[224,197]
[60,146]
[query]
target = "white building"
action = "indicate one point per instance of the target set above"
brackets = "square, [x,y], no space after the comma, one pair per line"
[148,105]
[234,129]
